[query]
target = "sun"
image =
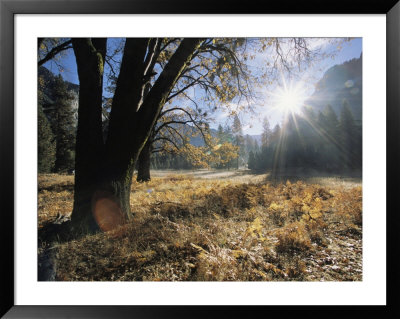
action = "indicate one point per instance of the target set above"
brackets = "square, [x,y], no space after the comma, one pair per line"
[290,97]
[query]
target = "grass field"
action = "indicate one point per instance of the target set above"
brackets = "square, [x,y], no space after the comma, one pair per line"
[217,226]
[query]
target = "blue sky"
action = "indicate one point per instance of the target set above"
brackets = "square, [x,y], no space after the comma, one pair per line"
[306,81]
[269,106]
[252,123]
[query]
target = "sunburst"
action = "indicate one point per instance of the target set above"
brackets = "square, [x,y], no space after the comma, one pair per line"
[290,97]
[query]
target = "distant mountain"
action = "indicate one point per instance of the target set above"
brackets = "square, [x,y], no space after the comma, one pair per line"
[196,139]
[340,82]
[49,79]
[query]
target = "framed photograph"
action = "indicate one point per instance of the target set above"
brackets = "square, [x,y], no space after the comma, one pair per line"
[261,171]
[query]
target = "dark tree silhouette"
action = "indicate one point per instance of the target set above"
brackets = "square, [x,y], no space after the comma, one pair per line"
[103,171]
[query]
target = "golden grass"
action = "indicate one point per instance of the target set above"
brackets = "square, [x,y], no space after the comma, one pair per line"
[188,228]
[55,196]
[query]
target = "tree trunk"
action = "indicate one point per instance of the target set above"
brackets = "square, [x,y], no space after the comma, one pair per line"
[133,115]
[89,142]
[103,174]
[144,163]
[125,140]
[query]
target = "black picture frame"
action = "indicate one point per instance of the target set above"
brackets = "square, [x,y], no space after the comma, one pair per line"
[9,8]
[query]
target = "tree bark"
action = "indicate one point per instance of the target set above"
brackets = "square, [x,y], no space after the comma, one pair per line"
[124,140]
[133,116]
[103,173]
[144,163]
[89,142]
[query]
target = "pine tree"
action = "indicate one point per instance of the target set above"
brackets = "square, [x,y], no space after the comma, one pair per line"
[46,144]
[276,155]
[220,134]
[249,143]
[64,127]
[348,136]
[256,147]
[266,134]
[329,126]
[238,140]
[252,161]
[331,121]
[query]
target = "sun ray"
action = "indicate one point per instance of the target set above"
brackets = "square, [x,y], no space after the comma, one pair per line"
[289,97]
[321,132]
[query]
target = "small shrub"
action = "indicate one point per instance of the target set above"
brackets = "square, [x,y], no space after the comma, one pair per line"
[293,237]
[276,213]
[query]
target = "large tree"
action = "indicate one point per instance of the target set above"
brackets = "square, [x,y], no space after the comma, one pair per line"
[148,74]
[103,171]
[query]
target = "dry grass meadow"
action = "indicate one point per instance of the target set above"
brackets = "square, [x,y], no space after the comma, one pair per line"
[218,226]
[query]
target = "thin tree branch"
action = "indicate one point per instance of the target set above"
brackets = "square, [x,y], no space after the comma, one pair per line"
[54,51]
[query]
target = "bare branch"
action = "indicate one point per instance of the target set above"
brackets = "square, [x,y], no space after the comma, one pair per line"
[54,51]
[195,81]
[151,58]
[191,120]
[165,124]
[164,138]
